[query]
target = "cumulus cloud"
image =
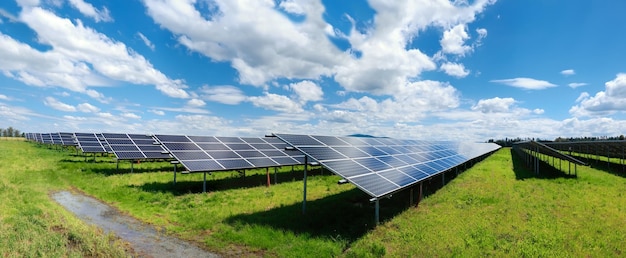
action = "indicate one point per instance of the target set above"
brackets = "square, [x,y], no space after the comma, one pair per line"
[196,103]
[58,105]
[4,97]
[454,69]
[88,10]
[237,32]
[276,102]
[568,72]
[307,91]
[526,83]
[494,105]
[225,94]
[609,101]
[79,57]
[453,40]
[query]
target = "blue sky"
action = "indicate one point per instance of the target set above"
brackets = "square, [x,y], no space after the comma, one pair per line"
[422,69]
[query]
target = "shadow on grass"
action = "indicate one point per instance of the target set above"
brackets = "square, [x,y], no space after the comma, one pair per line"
[233,180]
[107,165]
[546,171]
[345,216]
[609,167]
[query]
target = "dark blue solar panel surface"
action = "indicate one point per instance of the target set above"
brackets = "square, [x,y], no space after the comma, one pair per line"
[380,166]
[208,153]
[134,146]
[89,143]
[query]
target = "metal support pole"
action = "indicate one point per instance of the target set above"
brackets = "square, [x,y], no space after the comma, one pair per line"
[204,183]
[419,197]
[174,174]
[443,179]
[306,160]
[377,212]
[267,173]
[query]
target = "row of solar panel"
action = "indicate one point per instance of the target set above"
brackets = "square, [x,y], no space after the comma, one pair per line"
[207,153]
[380,166]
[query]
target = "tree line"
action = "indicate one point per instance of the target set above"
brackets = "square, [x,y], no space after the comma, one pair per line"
[508,142]
[10,132]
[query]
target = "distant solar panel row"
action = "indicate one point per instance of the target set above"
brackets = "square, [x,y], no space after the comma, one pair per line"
[208,153]
[380,166]
[134,146]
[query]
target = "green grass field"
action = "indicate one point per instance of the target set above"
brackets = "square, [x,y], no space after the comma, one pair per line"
[495,208]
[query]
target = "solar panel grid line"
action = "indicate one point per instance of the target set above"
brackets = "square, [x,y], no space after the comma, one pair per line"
[395,162]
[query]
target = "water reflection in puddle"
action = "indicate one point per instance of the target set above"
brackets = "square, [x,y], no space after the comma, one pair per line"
[144,239]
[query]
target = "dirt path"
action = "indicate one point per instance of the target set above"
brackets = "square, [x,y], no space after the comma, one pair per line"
[144,239]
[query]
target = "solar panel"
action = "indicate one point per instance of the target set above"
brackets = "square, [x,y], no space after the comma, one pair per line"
[380,166]
[89,143]
[208,153]
[134,146]
[67,139]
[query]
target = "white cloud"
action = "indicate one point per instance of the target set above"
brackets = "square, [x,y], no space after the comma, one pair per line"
[79,57]
[575,85]
[226,94]
[8,16]
[88,10]
[146,41]
[494,105]
[454,69]
[262,44]
[196,103]
[276,102]
[131,116]
[307,91]
[58,105]
[568,72]
[4,97]
[157,112]
[526,83]
[453,40]
[482,32]
[87,108]
[609,101]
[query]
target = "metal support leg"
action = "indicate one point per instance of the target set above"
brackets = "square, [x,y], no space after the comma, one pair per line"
[204,184]
[174,174]
[377,212]
[304,182]
[267,173]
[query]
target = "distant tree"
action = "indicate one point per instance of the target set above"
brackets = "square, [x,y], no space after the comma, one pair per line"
[17,133]
[1,132]
[9,132]
[621,137]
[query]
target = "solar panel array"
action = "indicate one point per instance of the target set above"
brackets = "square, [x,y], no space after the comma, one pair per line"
[611,149]
[546,150]
[67,139]
[380,166]
[134,146]
[90,143]
[209,153]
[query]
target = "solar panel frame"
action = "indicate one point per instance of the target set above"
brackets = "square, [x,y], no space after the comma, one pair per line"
[220,153]
[381,166]
[89,143]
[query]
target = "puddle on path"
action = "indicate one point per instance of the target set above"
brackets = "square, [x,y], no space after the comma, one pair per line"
[144,239]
